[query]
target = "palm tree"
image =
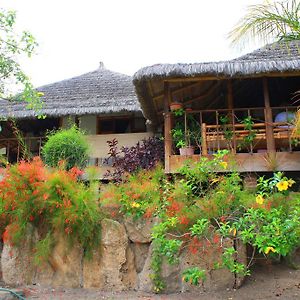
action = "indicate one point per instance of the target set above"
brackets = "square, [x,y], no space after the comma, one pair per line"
[268,22]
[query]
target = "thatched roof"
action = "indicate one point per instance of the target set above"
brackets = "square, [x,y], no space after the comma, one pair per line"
[97,92]
[278,58]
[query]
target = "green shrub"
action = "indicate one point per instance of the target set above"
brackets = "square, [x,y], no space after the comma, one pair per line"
[68,146]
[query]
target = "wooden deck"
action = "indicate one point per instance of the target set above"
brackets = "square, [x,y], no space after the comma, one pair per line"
[247,162]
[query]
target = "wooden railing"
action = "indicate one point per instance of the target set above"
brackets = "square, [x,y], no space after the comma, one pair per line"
[14,150]
[242,129]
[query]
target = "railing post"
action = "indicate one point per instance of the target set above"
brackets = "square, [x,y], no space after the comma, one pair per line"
[204,140]
[268,119]
[168,127]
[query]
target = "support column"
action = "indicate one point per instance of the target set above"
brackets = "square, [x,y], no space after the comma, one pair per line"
[229,95]
[230,105]
[168,126]
[268,119]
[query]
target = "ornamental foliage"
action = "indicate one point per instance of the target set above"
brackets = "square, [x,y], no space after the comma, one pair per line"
[14,45]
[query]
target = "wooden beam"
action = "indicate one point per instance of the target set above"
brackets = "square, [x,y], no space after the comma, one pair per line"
[207,93]
[168,126]
[179,90]
[201,78]
[268,118]
[151,94]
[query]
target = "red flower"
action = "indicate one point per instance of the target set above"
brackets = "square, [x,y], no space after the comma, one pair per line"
[223,219]
[75,172]
[216,239]
[5,236]
[184,220]
[31,218]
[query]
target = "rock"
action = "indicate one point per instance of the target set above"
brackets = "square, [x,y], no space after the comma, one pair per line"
[216,279]
[128,271]
[107,270]
[140,252]
[170,275]
[16,262]
[139,231]
[292,260]
[64,266]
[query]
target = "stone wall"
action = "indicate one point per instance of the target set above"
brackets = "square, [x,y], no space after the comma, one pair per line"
[122,262]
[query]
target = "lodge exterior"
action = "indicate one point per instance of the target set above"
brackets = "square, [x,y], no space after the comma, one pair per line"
[102,103]
[259,86]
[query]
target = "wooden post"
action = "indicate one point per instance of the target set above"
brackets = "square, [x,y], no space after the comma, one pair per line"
[229,94]
[204,141]
[268,119]
[168,126]
[231,113]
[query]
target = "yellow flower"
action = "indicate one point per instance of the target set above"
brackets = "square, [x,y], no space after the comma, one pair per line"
[291,182]
[215,180]
[233,230]
[268,249]
[224,164]
[259,199]
[282,185]
[220,192]
[40,94]
[135,205]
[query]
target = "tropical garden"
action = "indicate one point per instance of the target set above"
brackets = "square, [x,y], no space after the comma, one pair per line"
[197,210]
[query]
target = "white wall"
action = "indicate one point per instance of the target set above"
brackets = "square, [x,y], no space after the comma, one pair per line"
[67,121]
[88,124]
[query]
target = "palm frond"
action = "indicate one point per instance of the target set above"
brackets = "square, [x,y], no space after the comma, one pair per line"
[268,22]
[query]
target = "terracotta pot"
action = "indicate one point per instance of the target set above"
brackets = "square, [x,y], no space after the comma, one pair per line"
[187,150]
[175,106]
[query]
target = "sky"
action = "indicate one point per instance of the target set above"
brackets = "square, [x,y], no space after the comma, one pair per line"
[75,35]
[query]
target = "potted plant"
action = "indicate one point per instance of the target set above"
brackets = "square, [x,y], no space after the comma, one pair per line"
[176,105]
[182,140]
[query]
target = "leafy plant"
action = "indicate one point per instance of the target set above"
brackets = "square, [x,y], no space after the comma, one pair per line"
[194,275]
[189,136]
[227,128]
[231,264]
[278,182]
[68,146]
[145,155]
[273,232]
[13,45]
[251,135]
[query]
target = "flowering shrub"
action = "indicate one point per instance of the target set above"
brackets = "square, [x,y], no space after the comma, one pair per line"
[51,200]
[202,207]
[138,197]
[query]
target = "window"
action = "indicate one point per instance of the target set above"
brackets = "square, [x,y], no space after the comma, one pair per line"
[110,125]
